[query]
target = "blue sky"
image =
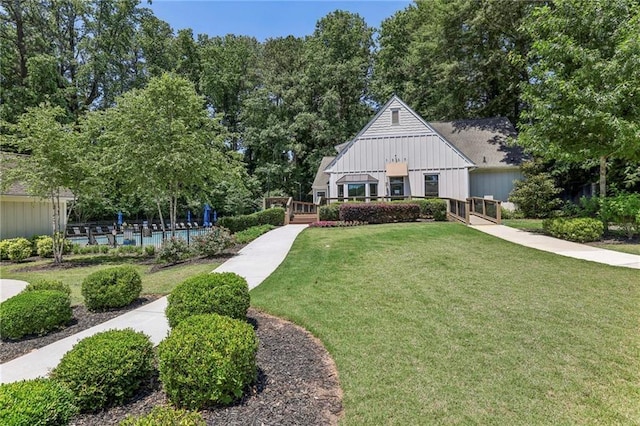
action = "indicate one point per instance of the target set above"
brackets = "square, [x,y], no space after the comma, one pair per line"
[264,18]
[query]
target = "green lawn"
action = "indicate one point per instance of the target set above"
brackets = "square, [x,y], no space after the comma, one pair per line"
[524,224]
[624,248]
[159,282]
[436,323]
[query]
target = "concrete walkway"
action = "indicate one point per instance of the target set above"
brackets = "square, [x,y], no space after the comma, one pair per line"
[255,262]
[561,247]
[9,288]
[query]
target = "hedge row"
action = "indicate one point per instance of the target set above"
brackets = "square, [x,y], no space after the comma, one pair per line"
[379,212]
[430,208]
[580,230]
[274,216]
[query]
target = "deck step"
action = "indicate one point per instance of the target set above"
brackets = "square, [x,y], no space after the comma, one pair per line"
[300,219]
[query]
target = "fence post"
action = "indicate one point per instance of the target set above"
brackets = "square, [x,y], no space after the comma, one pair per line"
[467,205]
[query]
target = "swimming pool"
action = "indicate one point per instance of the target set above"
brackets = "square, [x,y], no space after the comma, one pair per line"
[134,238]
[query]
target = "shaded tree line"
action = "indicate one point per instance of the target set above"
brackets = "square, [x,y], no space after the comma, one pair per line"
[562,71]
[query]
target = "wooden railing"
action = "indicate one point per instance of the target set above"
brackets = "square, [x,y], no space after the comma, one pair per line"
[293,207]
[485,208]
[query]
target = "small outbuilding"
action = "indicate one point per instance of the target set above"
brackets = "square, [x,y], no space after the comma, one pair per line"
[23,215]
[399,155]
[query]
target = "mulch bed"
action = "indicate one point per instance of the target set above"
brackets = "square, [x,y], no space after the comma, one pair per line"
[82,319]
[297,380]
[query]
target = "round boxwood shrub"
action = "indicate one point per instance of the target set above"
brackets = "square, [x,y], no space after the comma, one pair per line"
[44,246]
[165,416]
[207,360]
[46,284]
[36,402]
[18,249]
[106,368]
[111,288]
[220,293]
[34,312]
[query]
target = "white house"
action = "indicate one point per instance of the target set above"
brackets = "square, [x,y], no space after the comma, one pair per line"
[398,154]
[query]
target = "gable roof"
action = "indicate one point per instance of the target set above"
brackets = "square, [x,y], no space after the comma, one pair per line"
[322,179]
[18,188]
[484,141]
[344,147]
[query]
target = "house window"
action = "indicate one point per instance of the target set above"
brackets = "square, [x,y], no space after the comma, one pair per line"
[396,186]
[340,191]
[320,194]
[431,186]
[373,191]
[356,190]
[395,117]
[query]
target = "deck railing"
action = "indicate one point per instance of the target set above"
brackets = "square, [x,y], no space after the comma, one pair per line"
[485,208]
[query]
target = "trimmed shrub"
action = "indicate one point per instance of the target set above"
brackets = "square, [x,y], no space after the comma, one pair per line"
[212,242]
[250,234]
[4,246]
[44,246]
[165,416]
[36,402]
[106,368]
[208,360]
[379,212]
[150,251]
[430,208]
[45,284]
[18,249]
[111,288]
[34,312]
[274,216]
[330,212]
[580,230]
[173,250]
[223,293]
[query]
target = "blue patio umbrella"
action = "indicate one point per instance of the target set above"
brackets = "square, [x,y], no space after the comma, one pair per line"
[120,218]
[207,214]
[189,216]
[215,216]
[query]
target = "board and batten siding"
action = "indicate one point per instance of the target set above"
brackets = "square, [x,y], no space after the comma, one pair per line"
[20,217]
[495,183]
[409,123]
[424,154]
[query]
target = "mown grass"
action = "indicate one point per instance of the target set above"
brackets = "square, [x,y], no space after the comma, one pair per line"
[436,323]
[161,281]
[524,224]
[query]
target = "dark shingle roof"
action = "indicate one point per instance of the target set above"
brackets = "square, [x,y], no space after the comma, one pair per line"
[322,178]
[484,141]
[7,161]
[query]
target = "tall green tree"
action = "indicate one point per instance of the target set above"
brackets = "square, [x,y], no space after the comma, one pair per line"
[582,97]
[162,141]
[78,54]
[452,59]
[229,75]
[55,163]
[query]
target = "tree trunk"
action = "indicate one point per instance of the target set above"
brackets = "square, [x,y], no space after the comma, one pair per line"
[57,241]
[603,176]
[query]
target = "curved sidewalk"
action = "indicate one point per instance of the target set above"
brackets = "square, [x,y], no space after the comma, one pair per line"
[255,262]
[561,247]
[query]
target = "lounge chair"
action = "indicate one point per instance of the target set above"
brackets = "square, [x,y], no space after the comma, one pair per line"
[76,230]
[154,227]
[195,224]
[99,230]
[182,225]
[136,227]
